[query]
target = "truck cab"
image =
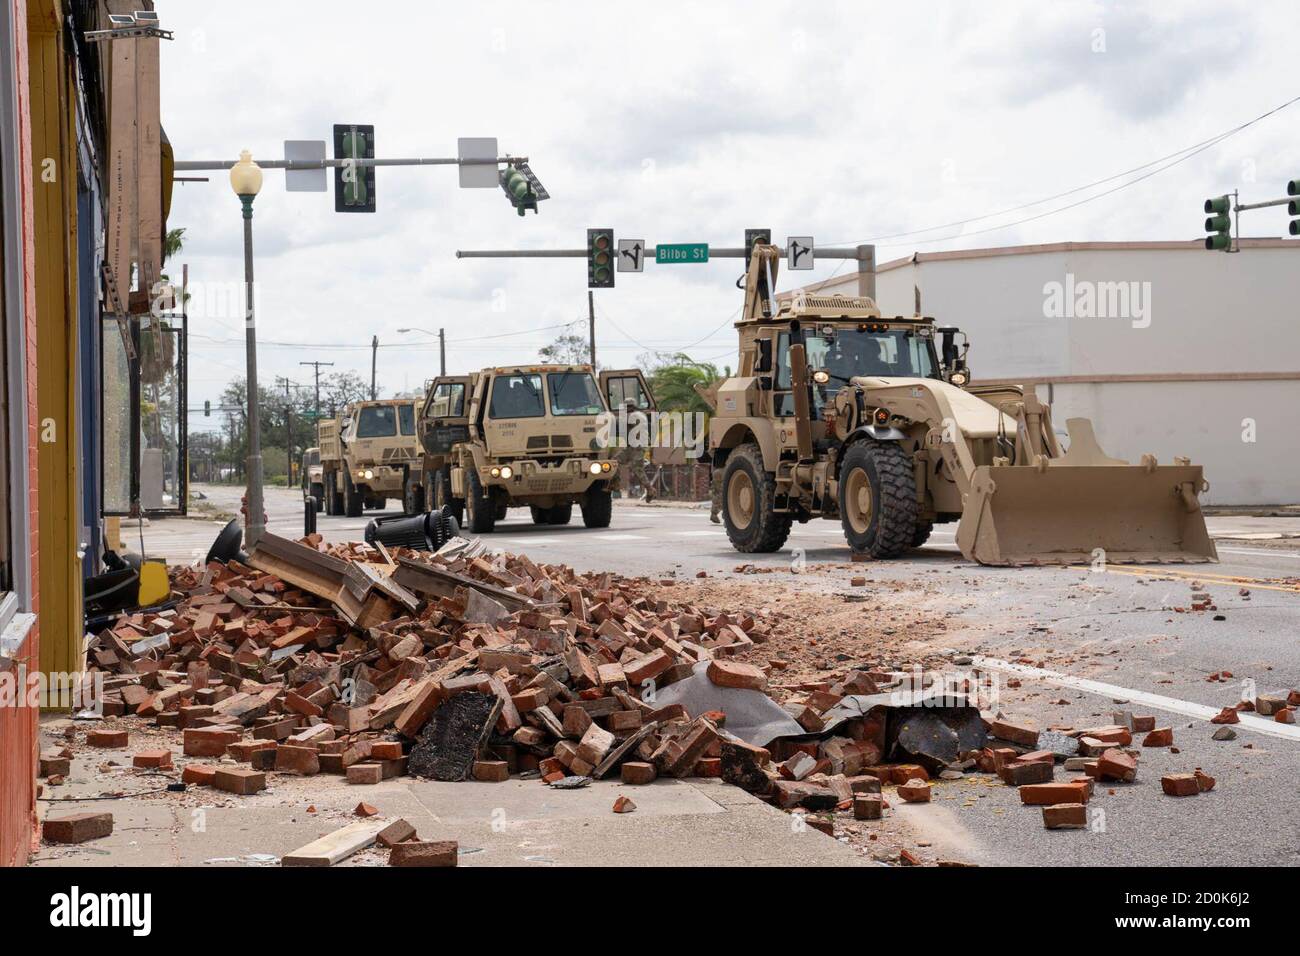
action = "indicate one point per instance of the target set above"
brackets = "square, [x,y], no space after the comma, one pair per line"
[370,454]
[536,436]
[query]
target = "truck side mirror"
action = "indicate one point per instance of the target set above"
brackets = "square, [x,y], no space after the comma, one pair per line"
[763,364]
[948,346]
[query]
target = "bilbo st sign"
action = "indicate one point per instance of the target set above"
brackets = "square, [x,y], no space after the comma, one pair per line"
[678,253]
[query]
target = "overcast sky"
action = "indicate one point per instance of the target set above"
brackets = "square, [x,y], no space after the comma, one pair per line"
[684,122]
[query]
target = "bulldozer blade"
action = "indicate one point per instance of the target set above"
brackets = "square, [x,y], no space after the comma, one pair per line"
[1070,514]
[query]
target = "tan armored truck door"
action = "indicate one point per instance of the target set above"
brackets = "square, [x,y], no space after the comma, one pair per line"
[444,420]
[621,386]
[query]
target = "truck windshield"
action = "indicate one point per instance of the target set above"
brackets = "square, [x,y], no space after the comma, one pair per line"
[377,421]
[850,352]
[574,393]
[313,457]
[406,418]
[516,396]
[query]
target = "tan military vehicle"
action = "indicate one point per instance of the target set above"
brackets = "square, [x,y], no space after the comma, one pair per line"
[839,412]
[537,436]
[369,454]
[313,477]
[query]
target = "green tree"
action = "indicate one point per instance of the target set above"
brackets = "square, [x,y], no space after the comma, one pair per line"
[567,349]
[673,380]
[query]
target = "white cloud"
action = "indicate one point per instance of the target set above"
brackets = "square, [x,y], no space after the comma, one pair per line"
[684,122]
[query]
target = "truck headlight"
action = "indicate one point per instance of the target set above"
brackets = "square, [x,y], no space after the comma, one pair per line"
[367,474]
[495,472]
[595,468]
[604,466]
[821,376]
[507,471]
[958,378]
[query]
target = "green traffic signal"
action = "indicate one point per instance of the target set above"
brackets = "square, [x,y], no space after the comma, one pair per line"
[600,258]
[1218,224]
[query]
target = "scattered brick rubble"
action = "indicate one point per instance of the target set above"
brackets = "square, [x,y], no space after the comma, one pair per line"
[350,660]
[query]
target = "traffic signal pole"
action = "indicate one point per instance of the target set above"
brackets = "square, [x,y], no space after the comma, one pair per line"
[187,165]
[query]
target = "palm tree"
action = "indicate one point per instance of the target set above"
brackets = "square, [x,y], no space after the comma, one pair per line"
[674,384]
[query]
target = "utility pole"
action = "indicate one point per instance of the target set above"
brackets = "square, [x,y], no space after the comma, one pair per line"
[288,429]
[317,366]
[374,358]
[591,325]
[442,351]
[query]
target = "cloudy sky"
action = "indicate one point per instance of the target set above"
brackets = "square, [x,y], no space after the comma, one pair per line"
[686,122]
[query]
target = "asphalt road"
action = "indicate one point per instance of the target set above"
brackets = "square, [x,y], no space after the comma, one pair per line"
[1097,642]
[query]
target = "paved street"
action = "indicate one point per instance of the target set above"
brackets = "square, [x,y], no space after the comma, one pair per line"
[1082,644]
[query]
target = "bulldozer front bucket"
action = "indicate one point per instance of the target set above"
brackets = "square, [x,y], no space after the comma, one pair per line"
[1058,513]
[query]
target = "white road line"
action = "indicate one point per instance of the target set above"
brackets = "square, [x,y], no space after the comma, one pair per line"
[527,541]
[1172,704]
[621,537]
[1266,553]
[699,534]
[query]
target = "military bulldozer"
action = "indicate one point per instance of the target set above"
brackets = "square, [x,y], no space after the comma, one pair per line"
[839,412]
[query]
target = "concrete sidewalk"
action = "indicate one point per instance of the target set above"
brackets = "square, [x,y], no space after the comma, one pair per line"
[516,823]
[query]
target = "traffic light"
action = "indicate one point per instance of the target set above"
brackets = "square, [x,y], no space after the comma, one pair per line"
[1293,207]
[600,258]
[522,187]
[1218,223]
[207,408]
[354,186]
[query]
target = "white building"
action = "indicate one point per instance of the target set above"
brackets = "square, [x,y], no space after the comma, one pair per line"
[1168,348]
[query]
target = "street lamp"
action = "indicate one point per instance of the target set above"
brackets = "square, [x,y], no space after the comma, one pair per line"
[246,180]
[442,345]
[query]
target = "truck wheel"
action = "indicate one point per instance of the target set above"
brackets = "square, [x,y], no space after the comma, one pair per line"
[922,535]
[318,492]
[748,502]
[352,504]
[332,495]
[878,499]
[540,515]
[440,494]
[597,507]
[480,509]
[413,497]
[560,514]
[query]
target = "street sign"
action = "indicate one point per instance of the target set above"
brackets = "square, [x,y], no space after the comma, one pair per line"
[631,255]
[305,180]
[799,253]
[478,175]
[677,253]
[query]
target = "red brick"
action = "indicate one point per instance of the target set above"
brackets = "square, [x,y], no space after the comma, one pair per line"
[399,831]
[386,750]
[1203,780]
[1021,772]
[624,805]
[1046,794]
[77,827]
[868,806]
[365,773]
[1226,716]
[421,853]
[207,741]
[491,771]
[1017,734]
[1065,816]
[152,759]
[1180,784]
[904,772]
[303,761]
[646,668]
[1115,764]
[637,773]
[708,767]
[113,739]
[238,780]
[199,773]
[915,791]
[735,674]
[1160,737]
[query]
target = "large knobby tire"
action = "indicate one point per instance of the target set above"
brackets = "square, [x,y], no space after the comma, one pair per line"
[413,501]
[318,492]
[748,503]
[560,514]
[439,493]
[597,507]
[878,499]
[331,496]
[480,509]
[922,535]
[353,503]
[540,515]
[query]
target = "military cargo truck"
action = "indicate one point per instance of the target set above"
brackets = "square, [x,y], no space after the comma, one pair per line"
[535,436]
[369,454]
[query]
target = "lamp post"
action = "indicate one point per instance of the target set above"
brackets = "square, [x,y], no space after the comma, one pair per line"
[442,346]
[246,180]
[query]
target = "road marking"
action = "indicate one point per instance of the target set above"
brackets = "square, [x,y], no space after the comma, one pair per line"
[1266,553]
[1172,704]
[622,537]
[526,541]
[699,534]
[1223,580]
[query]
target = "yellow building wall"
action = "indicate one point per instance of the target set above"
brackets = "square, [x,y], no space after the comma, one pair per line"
[54,186]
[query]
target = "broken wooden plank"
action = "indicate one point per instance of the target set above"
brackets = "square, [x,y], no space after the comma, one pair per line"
[336,846]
